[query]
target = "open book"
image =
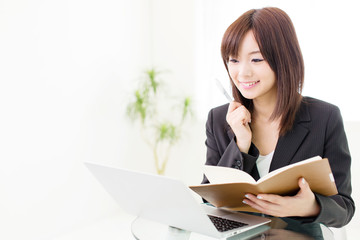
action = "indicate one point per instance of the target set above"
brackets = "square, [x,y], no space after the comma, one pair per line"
[228,185]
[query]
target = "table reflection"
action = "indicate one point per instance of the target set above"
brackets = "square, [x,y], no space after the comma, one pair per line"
[278,228]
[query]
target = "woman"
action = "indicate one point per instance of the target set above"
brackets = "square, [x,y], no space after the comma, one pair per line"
[270,125]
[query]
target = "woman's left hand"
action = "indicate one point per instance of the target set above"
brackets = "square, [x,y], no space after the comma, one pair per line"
[303,204]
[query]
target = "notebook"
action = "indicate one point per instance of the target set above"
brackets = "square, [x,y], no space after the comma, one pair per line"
[169,201]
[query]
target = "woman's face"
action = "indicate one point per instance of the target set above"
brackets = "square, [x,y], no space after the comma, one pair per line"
[250,72]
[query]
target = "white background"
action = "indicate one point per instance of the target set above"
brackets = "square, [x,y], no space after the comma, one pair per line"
[67,69]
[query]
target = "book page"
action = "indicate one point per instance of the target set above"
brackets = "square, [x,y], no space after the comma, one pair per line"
[219,175]
[228,186]
[277,171]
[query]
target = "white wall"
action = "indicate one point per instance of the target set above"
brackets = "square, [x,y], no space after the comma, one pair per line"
[66,68]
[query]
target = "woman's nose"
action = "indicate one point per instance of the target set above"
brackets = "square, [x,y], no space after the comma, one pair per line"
[244,71]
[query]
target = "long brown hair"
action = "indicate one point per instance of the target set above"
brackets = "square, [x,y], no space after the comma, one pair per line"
[278,43]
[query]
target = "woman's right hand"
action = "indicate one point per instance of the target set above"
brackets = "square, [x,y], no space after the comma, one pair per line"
[238,117]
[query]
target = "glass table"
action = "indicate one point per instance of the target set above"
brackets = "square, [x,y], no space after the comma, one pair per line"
[278,228]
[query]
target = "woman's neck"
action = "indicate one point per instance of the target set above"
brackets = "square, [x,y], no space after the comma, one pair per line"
[264,108]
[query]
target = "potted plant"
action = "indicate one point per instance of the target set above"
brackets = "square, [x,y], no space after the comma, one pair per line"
[160,120]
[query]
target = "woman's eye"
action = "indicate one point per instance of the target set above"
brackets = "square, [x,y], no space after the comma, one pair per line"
[256,60]
[232,60]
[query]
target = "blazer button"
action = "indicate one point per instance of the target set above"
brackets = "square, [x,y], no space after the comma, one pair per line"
[238,163]
[236,167]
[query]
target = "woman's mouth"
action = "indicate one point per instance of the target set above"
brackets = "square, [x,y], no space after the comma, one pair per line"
[248,85]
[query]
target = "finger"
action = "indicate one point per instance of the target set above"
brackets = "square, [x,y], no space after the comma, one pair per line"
[303,183]
[237,116]
[262,206]
[273,198]
[248,117]
[233,105]
[240,112]
[244,114]
[254,205]
[259,200]
[304,186]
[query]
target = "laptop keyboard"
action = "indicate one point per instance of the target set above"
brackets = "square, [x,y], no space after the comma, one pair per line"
[223,225]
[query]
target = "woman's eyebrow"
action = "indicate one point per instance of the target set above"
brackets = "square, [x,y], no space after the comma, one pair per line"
[254,52]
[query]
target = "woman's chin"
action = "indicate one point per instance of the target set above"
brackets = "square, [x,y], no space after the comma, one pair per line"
[248,96]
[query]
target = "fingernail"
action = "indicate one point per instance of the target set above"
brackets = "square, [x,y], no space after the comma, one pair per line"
[259,197]
[303,180]
[244,201]
[247,196]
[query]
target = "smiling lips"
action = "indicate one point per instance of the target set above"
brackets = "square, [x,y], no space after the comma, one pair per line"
[248,85]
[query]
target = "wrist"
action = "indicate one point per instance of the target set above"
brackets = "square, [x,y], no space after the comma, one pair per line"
[313,210]
[243,147]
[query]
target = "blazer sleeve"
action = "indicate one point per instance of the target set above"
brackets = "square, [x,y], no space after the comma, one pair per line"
[222,149]
[337,210]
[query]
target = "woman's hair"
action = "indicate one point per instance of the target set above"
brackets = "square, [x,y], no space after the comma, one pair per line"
[277,40]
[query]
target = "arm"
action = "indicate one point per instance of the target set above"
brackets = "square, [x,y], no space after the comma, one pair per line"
[334,211]
[222,149]
[337,210]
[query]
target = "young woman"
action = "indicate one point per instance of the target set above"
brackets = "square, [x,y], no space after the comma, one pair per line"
[270,124]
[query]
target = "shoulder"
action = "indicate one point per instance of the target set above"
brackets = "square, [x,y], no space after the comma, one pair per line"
[319,113]
[218,113]
[318,108]
[316,104]
[216,121]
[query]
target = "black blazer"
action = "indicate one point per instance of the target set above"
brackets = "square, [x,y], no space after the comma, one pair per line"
[318,130]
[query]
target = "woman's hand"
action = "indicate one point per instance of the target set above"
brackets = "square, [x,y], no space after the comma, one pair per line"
[303,204]
[238,117]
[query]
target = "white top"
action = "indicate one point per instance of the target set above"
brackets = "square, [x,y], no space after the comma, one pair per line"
[263,164]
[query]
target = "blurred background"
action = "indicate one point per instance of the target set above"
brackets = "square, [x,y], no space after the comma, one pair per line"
[69,68]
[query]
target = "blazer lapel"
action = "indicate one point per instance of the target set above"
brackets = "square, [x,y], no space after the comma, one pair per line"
[289,143]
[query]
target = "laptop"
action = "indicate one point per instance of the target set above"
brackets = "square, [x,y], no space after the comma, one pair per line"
[169,201]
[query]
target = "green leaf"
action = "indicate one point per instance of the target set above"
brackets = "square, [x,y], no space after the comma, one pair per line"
[187,105]
[140,107]
[167,132]
[152,74]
